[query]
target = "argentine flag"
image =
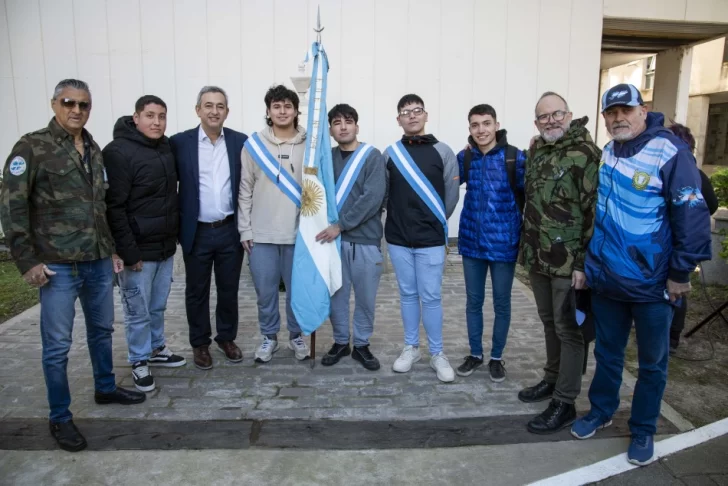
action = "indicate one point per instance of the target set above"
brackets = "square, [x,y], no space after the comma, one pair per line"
[316,267]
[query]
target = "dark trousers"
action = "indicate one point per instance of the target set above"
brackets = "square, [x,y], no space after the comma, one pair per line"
[219,248]
[564,340]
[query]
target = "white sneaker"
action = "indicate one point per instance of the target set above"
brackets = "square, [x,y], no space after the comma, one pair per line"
[410,355]
[265,351]
[440,364]
[299,347]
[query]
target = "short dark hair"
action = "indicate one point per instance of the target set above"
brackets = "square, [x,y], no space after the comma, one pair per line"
[281,93]
[409,99]
[683,133]
[482,110]
[148,100]
[344,111]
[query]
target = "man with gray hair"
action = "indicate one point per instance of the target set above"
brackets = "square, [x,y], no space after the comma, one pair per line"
[208,166]
[561,189]
[54,213]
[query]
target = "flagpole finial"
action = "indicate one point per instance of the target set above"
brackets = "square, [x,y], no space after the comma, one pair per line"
[318,28]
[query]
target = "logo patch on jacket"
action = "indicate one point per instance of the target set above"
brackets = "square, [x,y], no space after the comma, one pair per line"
[690,196]
[640,180]
[17,166]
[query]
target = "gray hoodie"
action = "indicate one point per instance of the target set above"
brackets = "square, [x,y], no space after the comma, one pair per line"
[265,214]
[360,218]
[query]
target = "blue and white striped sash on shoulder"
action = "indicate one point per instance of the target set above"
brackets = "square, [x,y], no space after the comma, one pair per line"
[417,180]
[350,173]
[273,169]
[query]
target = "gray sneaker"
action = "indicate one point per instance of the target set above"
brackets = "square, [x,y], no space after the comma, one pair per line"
[265,351]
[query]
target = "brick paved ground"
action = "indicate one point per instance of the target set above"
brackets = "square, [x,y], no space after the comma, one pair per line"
[286,388]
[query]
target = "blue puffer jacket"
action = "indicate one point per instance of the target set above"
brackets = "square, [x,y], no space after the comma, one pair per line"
[490,222]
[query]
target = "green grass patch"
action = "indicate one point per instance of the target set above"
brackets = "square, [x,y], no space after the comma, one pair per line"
[15,294]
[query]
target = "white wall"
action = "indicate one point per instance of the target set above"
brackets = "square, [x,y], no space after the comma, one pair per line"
[453,53]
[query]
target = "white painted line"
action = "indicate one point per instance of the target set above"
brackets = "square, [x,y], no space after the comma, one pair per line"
[618,464]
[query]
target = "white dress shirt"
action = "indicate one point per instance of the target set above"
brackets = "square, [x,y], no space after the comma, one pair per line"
[216,200]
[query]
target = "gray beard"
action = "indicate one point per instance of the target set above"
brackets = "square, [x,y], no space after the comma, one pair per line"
[553,138]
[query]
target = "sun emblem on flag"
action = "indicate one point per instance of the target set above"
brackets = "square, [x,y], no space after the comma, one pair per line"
[312,197]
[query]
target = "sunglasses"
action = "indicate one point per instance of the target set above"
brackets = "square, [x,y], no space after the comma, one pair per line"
[71,104]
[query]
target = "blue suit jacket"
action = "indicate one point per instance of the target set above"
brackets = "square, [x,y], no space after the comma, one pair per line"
[185,148]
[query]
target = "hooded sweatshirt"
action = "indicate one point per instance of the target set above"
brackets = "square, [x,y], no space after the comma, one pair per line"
[410,222]
[652,222]
[265,214]
[142,205]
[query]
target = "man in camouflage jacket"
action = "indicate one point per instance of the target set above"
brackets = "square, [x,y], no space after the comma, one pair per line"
[561,184]
[54,216]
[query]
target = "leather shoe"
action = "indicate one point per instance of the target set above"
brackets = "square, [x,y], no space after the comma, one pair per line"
[68,437]
[231,351]
[536,393]
[556,417]
[121,396]
[203,360]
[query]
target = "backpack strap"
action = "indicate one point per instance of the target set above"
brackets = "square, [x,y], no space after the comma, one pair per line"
[511,156]
[467,160]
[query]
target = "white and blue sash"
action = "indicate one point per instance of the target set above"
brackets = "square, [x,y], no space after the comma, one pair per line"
[273,169]
[350,173]
[418,181]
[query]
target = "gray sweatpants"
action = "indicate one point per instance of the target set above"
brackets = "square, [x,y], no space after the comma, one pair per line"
[268,264]
[361,266]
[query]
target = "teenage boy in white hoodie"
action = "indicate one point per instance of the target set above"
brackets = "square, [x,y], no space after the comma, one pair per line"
[268,208]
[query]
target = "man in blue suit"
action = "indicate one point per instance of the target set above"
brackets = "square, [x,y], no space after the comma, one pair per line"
[208,165]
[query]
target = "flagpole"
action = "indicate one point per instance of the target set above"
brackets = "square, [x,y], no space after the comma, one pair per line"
[318,31]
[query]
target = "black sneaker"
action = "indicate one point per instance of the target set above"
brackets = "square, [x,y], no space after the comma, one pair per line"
[164,357]
[365,357]
[497,370]
[143,379]
[470,364]
[68,437]
[336,352]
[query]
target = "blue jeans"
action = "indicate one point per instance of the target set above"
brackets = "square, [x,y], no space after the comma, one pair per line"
[419,276]
[144,300]
[501,276]
[92,283]
[613,322]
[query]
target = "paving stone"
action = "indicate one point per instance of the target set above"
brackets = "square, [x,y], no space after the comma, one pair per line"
[288,389]
[697,481]
[706,458]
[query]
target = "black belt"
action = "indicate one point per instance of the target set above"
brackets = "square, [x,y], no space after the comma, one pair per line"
[216,224]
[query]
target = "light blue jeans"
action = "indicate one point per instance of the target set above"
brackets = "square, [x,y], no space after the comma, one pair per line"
[419,276]
[144,300]
[361,267]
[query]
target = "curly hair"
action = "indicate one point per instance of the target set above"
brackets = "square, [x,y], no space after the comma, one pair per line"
[281,93]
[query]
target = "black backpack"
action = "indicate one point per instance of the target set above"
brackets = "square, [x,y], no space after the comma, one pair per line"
[511,155]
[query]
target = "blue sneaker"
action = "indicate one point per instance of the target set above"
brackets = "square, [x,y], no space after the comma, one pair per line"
[588,425]
[641,450]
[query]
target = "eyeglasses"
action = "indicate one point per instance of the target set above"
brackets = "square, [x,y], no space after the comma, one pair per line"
[558,116]
[71,104]
[415,111]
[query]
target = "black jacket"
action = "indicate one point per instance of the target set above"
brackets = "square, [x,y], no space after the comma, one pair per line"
[410,222]
[142,205]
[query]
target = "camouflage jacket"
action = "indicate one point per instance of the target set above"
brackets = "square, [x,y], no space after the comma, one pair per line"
[50,212]
[561,191]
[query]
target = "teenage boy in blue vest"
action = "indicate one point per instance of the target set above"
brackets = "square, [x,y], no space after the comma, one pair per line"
[490,227]
[423,190]
[359,171]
